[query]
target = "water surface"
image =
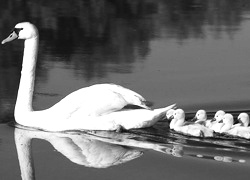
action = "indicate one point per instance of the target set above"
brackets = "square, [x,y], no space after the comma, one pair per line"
[193,53]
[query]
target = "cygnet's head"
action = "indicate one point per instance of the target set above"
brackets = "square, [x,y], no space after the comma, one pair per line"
[24,30]
[219,115]
[228,119]
[201,115]
[243,119]
[170,114]
[179,114]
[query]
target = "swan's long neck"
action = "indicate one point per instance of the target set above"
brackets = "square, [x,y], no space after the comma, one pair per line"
[26,86]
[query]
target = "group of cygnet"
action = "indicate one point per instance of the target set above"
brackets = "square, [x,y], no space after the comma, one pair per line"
[201,126]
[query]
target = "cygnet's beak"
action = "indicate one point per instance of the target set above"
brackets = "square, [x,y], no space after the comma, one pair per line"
[171,117]
[213,119]
[238,121]
[194,119]
[13,35]
[221,121]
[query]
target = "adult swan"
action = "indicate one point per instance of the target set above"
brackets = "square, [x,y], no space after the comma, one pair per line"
[98,107]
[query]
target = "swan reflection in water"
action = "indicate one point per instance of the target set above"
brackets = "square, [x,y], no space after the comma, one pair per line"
[102,149]
[96,150]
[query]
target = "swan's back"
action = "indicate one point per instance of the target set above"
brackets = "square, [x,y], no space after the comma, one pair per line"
[97,100]
[130,96]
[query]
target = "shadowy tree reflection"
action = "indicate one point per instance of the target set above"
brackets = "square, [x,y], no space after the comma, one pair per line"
[96,37]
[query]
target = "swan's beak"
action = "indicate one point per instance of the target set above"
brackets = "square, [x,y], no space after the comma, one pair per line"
[11,37]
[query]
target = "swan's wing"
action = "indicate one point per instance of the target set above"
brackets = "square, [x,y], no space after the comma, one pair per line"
[97,100]
[130,96]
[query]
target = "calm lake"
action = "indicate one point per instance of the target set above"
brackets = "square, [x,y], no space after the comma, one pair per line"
[191,52]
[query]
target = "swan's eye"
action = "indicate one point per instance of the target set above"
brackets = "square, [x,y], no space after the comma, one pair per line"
[17,30]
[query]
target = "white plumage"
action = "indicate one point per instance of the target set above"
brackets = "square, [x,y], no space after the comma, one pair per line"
[194,129]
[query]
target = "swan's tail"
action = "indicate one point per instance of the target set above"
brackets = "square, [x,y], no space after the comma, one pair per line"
[161,112]
[138,118]
[166,109]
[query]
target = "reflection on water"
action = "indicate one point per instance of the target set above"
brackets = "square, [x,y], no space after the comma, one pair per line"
[102,149]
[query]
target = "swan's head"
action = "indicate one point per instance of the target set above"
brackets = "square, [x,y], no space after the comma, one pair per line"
[201,115]
[24,30]
[243,119]
[218,115]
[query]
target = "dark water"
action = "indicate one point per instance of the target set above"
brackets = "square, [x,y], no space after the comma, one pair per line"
[191,52]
